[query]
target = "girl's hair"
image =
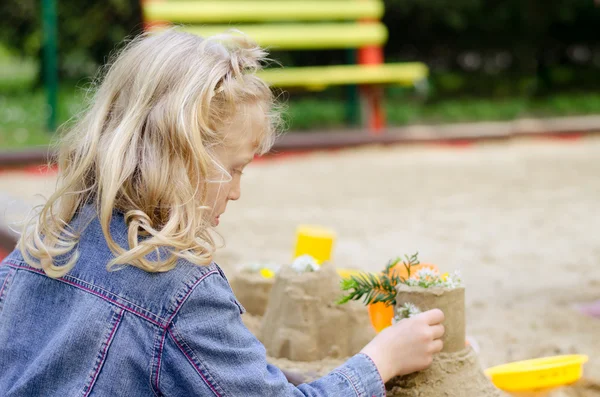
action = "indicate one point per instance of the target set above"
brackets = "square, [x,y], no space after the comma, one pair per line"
[143,148]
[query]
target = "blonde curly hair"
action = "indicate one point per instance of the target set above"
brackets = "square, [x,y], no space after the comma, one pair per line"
[143,147]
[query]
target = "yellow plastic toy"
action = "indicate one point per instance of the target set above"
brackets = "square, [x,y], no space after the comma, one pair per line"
[539,376]
[267,273]
[316,241]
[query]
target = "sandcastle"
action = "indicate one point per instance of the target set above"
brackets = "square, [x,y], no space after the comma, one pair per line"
[302,321]
[252,290]
[455,371]
[305,330]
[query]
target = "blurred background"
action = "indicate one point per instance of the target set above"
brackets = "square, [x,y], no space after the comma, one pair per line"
[489,60]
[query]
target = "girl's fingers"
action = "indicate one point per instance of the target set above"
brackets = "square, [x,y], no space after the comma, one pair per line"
[438,331]
[437,346]
[433,317]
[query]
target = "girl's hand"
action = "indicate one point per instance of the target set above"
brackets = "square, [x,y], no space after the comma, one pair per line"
[407,346]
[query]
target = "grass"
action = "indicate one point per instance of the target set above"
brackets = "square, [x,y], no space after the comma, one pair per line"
[15,72]
[22,116]
[310,114]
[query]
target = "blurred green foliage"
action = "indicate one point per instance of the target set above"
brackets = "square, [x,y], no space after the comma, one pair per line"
[489,60]
[88,30]
[493,48]
[499,47]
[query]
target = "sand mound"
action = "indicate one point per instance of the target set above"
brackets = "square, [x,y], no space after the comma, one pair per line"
[252,291]
[302,322]
[451,375]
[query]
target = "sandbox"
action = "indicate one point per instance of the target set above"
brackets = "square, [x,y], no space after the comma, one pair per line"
[516,217]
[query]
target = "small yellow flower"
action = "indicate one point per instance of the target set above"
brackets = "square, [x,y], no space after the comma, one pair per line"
[445,277]
[267,273]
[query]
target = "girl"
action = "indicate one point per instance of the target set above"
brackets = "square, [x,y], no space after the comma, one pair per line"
[112,290]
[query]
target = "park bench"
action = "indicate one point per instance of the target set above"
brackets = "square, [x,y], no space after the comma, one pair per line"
[303,25]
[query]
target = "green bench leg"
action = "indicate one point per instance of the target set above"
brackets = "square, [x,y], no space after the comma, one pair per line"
[353,108]
[50,60]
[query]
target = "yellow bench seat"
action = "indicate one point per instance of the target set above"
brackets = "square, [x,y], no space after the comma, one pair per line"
[301,36]
[320,77]
[208,11]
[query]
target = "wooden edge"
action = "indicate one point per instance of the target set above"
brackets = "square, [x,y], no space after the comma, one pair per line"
[8,240]
[300,141]
[25,158]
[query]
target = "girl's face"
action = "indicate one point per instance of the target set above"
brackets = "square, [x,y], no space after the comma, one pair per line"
[237,151]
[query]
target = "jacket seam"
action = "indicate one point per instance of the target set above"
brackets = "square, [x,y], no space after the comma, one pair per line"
[376,373]
[187,294]
[104,353]
[85,284]
[89,286]
[349,379]
[159,356]
[8,276]
[4,283]
[178,343]
[241,308]
[95,293]
[156,382]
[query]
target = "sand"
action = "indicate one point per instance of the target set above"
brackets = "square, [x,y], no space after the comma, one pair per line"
[520,220]
[456,374]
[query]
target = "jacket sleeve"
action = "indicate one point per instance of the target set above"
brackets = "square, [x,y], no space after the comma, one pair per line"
[209,351]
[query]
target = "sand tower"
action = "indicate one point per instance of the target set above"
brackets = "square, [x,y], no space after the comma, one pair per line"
[455,371]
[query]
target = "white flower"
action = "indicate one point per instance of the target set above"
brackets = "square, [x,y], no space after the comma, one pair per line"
[305,263]
[454,280]
[428,274]
[407,310]
[428,278]
[412,282]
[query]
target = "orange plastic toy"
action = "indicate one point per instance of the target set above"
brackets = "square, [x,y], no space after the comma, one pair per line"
[380,314]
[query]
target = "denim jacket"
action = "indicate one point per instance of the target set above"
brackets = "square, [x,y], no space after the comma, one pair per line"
[132,333]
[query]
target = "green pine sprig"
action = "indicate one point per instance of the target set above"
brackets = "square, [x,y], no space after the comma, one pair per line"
[373,288]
